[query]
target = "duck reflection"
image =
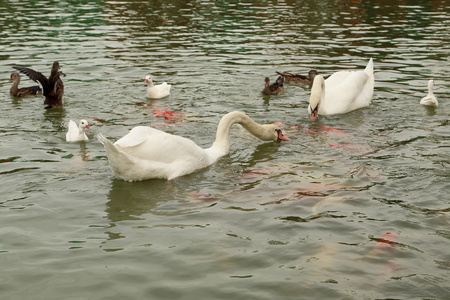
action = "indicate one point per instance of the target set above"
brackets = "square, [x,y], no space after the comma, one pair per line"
[83,151]
[56,117]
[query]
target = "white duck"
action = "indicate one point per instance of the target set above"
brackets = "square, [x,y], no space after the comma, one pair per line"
[76,133]
[157,91]
[146,153]
[430,99]
[342,92]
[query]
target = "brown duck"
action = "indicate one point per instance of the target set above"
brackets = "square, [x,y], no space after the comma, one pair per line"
[16,92]
[299,79]
[275,88]
[53,87]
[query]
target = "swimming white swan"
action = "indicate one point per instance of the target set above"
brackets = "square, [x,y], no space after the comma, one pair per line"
[76,133]
[146,153]
[157,91]
[342,92]
[430,99]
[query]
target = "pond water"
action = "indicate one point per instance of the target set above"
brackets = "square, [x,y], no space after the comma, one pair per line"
[355,206]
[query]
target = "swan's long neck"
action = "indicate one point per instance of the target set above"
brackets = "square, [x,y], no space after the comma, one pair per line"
[317,92]
[221,145]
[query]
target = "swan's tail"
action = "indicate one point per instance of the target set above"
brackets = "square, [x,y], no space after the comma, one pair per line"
[119,162]
[107,143]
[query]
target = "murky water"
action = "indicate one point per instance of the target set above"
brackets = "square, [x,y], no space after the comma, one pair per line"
[360,212]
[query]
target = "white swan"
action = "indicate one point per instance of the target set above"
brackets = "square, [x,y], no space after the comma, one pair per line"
[76,133]
[430,99]
[157,91]
[342,92]
[146,153]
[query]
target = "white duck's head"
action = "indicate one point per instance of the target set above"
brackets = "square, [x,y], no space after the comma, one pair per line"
[317,95]
[149,80]
[84,124]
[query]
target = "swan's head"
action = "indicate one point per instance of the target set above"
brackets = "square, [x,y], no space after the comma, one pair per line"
[312,74]
[14,77]
[84,124]
[273,132]
[149,80]
[317,94]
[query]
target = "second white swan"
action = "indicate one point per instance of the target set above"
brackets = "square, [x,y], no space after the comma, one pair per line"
[342,92]
[146,153]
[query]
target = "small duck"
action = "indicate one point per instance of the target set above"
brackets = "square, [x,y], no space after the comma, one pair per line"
[430,99]
[157,91]
[76,133]
[299,79]
[16,92]
[276,88]
[52,87]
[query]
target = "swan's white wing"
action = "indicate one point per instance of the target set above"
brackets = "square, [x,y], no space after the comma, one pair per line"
[348,91]
[154,145]
[337,78]
[136,136]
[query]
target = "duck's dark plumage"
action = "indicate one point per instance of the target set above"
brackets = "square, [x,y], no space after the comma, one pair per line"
[275,88]
[53,87]
[299,79]
[20,92]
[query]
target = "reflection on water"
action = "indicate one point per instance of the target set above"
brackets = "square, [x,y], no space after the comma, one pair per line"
[270,220]
[129,200]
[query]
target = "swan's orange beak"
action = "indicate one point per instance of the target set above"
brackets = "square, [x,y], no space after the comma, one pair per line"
[281,136]
[314,114]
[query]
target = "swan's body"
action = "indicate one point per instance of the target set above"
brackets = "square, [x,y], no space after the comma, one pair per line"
[157,91]
[76,133]
[342,92]
[20,92]
[430,99]
[146,153]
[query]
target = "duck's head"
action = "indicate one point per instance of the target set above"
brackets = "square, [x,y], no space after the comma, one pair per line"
[317,94]
[430,84]
[312,74]
[267,81]
[149,80]
[84,124]
[56,66]
[14,77]
[280,80]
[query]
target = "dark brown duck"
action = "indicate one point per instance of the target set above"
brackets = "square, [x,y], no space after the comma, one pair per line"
[53,87]
[275,88]
[21,92]
[299,79]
